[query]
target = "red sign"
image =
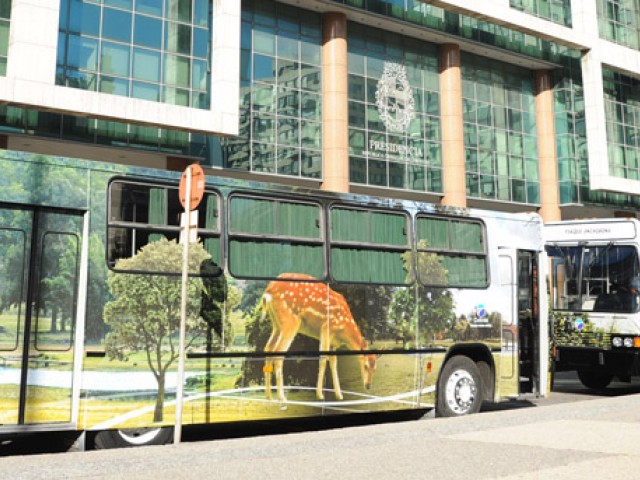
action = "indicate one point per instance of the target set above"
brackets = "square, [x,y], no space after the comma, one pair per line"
[197,186]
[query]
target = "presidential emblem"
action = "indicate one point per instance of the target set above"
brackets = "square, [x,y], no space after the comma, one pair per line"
[394,98]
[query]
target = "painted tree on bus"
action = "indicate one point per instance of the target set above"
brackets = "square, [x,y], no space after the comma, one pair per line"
[144,315]
[435,307]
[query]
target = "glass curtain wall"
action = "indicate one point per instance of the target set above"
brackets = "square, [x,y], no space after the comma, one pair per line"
[558,11]
[281,92]
[148,49]
[498,108]
[619,21]
[571,136]
[420,13]
[5,17]
[394,111]
[622,110]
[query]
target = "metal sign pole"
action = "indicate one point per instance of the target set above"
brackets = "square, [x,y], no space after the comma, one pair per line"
[177,433]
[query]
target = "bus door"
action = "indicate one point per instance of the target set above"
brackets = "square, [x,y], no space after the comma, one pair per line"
[528,322]
[40,252]
[519,272]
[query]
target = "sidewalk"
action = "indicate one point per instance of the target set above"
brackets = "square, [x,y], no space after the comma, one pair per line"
[584,440]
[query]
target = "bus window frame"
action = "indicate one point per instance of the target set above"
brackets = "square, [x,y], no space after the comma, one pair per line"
[170,231]
[588,296]
[484,255]
[232,235]
[411,274]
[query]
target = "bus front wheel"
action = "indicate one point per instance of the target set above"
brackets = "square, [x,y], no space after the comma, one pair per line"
[459,388]
[133,437]
[594,379]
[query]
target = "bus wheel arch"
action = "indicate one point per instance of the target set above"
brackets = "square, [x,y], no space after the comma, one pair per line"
[466,379]
[595,379]
[132,437]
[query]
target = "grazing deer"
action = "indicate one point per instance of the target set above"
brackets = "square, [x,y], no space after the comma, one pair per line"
[295,303]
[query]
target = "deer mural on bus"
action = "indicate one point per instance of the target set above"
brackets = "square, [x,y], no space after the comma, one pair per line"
[296,303]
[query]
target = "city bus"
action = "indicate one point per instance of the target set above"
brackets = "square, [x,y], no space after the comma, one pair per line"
[299,303]
[594,291]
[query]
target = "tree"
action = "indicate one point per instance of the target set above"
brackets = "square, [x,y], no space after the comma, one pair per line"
[59,278]
[97,289]
[434,309]
[369,307]
[144,315]
[13,245]
[220,297]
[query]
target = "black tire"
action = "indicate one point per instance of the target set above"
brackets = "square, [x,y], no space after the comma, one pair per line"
[133,437]
[594,379]
[459,388]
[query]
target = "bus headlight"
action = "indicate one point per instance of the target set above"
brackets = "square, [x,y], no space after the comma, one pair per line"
[616,342]
[628,342]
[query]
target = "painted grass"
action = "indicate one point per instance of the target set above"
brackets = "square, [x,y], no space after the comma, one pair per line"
[44,405]
[395,374]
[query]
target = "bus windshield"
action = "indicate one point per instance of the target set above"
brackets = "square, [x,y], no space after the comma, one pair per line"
[603,278]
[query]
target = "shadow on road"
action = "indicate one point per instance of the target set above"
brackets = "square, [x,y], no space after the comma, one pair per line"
[277,427]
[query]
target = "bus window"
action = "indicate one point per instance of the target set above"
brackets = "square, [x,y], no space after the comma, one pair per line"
[140,214]
[268,237]
[451,252]
[367,246]
[14,248]
[595,278]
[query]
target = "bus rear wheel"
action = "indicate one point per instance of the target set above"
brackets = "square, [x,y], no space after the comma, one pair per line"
[133,437]
[594,379]
[459,388]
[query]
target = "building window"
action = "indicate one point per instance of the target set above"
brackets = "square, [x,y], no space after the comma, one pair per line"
[498,108]
[152,50]
[557,11]
[5,17]
[423,14]
[280,97]
[619,21]
[622,110]
[571,133]
[394,111]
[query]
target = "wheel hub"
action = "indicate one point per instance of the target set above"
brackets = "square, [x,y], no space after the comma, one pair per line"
[139,436]
[461,391]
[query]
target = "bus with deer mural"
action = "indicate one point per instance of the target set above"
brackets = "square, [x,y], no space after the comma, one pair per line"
[410,305]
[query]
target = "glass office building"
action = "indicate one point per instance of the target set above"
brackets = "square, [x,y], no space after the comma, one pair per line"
[513,105]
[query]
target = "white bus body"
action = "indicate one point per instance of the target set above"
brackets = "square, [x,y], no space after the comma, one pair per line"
[594,282]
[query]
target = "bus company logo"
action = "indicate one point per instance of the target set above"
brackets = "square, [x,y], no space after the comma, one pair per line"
[481,312]
[394,98]
[578,324]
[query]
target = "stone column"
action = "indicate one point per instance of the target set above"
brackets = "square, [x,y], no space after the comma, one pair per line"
[453,157]
[548,159]
[335,111]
